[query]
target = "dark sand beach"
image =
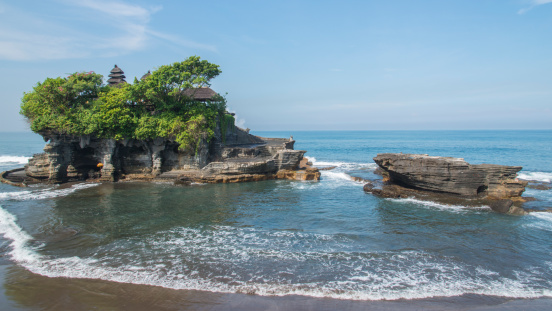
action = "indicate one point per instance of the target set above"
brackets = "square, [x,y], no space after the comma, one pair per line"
[23,290]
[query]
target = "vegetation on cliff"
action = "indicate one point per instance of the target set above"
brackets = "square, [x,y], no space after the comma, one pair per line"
[156,106]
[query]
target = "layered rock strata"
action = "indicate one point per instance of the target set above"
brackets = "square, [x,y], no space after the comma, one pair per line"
[451,175]
[446,179]
[238,156]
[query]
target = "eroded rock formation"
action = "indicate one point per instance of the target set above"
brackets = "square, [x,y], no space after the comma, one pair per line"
[445,179]
[451,175]
[238,156]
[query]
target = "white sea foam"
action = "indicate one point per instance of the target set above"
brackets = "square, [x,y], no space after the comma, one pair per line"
[541,220]
[343,165]
[339,176]
[248,260]
[536,176]
[41,194]
[5,159]
[544,216]
[10,230]
[440,206]
[336,176]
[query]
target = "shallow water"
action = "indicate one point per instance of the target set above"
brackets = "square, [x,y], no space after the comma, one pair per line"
[324,239]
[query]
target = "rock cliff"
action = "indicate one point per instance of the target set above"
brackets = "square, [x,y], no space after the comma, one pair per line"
[451,175]
[446,179]
[238,156]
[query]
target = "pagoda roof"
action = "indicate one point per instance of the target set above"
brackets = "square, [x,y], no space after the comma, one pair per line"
[201,94]
[117,70]
[117,76]
[115,80]
[146,75]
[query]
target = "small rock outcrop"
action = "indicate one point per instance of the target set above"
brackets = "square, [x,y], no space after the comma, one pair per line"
[451,175]
[451,180]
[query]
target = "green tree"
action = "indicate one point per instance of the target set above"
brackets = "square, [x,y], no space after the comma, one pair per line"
[154,107]
[164,88]
[49,105]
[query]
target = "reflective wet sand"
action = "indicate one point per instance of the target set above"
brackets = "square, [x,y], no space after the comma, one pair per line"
[23,290]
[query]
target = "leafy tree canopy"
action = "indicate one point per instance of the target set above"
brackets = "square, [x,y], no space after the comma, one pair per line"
[156,106]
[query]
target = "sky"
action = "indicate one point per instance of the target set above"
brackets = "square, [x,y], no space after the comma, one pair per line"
[304,65]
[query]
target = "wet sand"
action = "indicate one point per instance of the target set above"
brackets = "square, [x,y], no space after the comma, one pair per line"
[23,290]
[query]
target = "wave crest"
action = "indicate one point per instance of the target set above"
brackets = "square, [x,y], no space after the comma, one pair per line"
[536,176]
[5,159]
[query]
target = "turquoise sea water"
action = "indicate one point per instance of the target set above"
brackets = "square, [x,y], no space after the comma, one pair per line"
[320,239]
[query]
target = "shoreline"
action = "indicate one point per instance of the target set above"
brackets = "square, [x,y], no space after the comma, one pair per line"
[24,290]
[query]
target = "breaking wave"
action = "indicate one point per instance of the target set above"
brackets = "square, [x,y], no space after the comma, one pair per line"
[439,206]
[536,176]
[341,173]
[41,194]
[343,165]
[253,261]
[543,220]
[5,159]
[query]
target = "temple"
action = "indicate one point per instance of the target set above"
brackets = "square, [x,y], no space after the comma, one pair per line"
[117,76]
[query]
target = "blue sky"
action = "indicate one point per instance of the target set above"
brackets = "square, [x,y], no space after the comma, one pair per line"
[305,65]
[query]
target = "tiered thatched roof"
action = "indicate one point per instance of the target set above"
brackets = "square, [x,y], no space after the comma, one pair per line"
[117,76]
[200,94]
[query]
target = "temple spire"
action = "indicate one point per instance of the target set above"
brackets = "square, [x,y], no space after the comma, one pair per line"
[117,76]
[146,75]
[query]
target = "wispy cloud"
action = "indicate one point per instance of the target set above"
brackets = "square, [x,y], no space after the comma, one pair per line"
[532,4]
[79,29]
[118,9]
[179,41]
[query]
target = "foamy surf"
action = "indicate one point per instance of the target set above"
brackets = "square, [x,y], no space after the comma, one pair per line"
[536,176]
[340,174]
[237,261]
[41,194]
[541,221]
[343,165]
[5,159]
[439,206]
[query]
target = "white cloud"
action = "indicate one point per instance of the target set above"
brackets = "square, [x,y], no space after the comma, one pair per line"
[532,4]
[111,28]
[117,9]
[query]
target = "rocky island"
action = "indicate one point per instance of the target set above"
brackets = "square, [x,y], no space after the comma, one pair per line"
[446,178]
[169,125]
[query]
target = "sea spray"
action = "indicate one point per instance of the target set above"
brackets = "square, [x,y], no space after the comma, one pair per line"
[535,176]
[5,159]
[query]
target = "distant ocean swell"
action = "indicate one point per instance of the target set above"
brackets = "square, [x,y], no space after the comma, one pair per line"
[265,262]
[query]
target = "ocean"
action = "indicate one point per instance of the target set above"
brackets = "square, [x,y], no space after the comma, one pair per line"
[295,245]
